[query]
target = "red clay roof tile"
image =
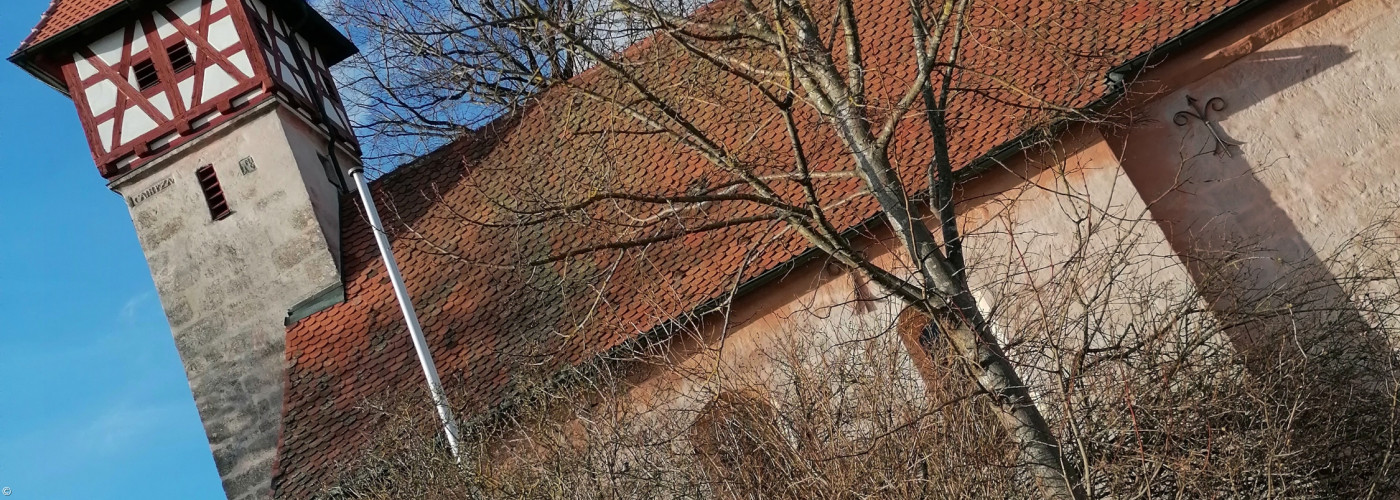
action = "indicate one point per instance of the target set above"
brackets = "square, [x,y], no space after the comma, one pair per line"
[64,14]
[488,324]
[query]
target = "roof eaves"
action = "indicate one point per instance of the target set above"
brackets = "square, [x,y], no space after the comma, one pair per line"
[38,27]
[24,56]
[998,155]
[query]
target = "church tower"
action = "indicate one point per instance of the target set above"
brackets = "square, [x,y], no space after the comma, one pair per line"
[219,125]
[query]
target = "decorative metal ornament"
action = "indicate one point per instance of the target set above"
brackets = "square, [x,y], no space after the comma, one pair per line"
[1202,114]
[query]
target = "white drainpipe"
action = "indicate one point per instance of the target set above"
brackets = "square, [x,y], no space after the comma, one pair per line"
[425,358]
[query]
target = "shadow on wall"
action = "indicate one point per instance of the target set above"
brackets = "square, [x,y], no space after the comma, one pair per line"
[1246,255]
[1279,300]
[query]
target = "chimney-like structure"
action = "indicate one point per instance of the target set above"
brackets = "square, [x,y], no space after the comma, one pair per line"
[218,123]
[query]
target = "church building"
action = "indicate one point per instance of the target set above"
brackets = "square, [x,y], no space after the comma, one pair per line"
[219,125]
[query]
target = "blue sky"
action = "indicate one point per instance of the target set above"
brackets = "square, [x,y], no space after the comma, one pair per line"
[93,400]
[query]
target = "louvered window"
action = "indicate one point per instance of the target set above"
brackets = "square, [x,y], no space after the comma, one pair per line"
[213,192]
[180,57]
[146,76]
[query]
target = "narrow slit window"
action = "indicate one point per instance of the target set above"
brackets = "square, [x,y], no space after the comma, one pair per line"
[213,192]
[333,174]
[180,57]
[146,76]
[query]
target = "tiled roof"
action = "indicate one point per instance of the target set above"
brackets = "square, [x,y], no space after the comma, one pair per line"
[488,323]
[64,14]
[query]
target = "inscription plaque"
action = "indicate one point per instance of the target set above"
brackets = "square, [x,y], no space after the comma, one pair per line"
[147,193]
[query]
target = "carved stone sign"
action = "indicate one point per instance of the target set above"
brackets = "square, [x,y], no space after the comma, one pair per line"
[147,193]
[247,165]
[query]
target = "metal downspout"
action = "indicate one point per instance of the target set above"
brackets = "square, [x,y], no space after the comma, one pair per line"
[420,344]
[415,330]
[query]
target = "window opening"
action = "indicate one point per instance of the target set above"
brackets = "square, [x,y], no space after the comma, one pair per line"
[333,174]
[180,57]
[146,76]
[741,444]
[331,91]
[213,192]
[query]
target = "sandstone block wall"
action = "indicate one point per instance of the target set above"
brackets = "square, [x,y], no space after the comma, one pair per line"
[226,285]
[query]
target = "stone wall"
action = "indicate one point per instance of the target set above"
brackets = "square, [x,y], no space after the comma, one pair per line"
[226,285]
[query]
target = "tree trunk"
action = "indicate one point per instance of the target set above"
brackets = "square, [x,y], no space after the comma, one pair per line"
[1038,449]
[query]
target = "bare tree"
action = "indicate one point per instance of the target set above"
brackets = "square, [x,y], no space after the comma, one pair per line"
[801,69]
[431,70]
[1159,402]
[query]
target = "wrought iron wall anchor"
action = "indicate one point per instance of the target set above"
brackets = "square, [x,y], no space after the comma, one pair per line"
[1202,113]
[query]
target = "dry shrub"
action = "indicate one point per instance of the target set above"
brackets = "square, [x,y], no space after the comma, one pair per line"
[1248,388]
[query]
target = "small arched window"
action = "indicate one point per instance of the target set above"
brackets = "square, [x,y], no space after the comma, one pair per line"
[933,358]
[739,442]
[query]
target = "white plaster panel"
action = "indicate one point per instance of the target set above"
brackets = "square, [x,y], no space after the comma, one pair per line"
[305,47]
[204,119]
[101,96]
[187,91]
[162,103]
[188,10]
[241,61]
[293,81]
[337,116]
[259,9]
[134,123]
[285,50]
[85,68]
[247,97]
[216,81]
[104,133]
[164,28]
[164,140]
[109,48]
[217,6]
[223,33]
[139,44]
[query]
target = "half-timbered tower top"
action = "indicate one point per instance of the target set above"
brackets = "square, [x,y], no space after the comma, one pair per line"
[148,75]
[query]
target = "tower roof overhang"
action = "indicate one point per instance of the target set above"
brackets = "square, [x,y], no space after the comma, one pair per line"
[69,22]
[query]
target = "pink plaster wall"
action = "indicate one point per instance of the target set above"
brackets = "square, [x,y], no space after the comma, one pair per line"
[1311,90]
[1049,219]
[1315,114]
